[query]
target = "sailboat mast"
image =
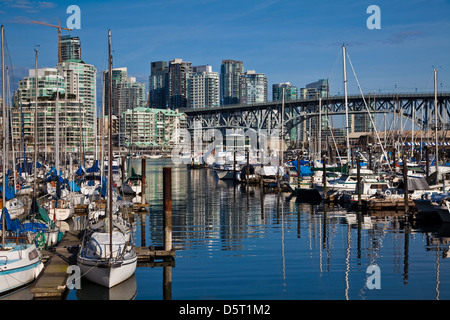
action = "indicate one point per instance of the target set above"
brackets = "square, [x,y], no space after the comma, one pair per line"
[436,124]
[56,146]
[4,137]
[346,105]
[110,143]
[35,122]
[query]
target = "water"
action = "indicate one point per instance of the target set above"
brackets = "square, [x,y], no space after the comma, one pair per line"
[231,244]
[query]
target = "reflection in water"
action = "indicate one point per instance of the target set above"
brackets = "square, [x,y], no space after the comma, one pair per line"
[126,290]
[235,242]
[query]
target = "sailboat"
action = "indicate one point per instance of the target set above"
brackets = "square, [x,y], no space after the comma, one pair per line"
[107,256]
[20,260]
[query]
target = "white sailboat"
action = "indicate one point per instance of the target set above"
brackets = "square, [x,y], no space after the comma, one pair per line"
[107,256]
[20,263]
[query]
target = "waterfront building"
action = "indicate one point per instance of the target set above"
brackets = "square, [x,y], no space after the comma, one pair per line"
[203,88]
[253,87]
[177,83]
[157,95]
[81,83]
[149,128]
[48,81]
[231,72]
[75,133]
[290,91]
[70,48]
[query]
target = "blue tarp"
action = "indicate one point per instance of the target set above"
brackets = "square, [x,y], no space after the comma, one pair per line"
[11,225]
[9,194]
[302,163]
[80,171]
[94,168]
[305,171]
[73,186]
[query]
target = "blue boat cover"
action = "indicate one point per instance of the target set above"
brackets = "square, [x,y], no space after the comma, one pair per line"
[9,193]
[11,225]
[94,168]
[73,186]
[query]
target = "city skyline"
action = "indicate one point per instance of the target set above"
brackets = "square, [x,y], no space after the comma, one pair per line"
[288,41]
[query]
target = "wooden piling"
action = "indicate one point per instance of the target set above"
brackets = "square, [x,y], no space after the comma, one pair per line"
[247,172]
[167,206]
[358,179]
[143,170]
[167,283]
[405,184]
[234,166]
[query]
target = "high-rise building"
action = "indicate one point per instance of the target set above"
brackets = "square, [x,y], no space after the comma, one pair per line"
[48,82]
[81,83]
[230,81]
[253,87]
[119,76]
[203,88]
[131,94]
[177,83]
[318,89]
[70,48]
[158,79]
[290,91]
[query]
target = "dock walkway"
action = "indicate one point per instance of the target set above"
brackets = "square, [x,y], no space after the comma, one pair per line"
[51,283]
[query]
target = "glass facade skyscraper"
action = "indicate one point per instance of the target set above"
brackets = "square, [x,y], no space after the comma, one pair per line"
[230,81]
[253,87]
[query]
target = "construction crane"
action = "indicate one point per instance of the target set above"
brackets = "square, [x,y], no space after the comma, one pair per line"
[59,35]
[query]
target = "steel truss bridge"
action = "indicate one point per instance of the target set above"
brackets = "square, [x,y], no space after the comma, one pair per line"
[267,115]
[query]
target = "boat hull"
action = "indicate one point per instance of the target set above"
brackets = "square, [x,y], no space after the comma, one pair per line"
[105,274]
[60,214]
[16,272]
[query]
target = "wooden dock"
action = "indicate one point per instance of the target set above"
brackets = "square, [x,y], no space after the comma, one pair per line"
[387,204]
[51,283]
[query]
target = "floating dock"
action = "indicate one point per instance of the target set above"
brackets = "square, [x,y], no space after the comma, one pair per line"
[51,283]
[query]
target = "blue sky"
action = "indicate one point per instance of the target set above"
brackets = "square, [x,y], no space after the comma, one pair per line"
[290,41]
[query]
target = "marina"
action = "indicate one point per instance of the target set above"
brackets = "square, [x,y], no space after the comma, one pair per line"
[200,187]
[236,239]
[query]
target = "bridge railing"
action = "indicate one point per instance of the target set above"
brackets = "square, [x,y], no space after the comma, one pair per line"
[391,95]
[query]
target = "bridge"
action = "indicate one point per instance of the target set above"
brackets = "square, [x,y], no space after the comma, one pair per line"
[267,115]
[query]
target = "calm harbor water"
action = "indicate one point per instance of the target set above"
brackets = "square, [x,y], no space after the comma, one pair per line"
[234,244]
